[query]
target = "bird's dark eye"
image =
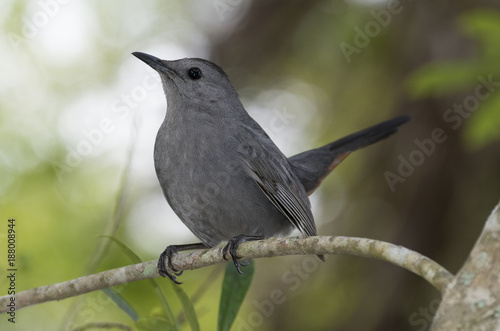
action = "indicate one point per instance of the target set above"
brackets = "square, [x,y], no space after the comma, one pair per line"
[194,73]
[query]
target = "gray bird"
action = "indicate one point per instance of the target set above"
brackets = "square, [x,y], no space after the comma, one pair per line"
[222,174]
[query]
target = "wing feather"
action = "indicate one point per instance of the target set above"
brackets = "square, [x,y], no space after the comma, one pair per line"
[283,189]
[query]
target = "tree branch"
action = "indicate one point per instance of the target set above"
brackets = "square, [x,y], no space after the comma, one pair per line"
[435,274]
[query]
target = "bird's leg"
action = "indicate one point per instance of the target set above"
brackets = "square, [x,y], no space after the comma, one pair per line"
[232,246]
[168,253]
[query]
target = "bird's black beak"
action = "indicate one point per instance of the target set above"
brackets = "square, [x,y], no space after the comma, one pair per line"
[152,61]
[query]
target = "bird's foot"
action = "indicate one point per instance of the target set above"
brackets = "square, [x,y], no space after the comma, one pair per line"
[232,246]
[168,253]
[162,270]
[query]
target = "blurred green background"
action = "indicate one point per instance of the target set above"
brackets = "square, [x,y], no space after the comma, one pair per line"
[79,114]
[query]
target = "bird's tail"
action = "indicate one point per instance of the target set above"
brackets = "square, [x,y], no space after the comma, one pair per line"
[312,166]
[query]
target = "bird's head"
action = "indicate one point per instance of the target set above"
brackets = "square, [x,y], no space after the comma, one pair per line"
[192,81]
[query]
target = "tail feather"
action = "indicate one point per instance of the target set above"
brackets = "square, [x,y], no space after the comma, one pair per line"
[312,166]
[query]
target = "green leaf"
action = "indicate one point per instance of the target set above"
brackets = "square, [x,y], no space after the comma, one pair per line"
[131,255]
[169,316]
[163,300]
[121,302]
[482,126]
[234,289]
[187,306]
[153,324]
[442,77]
[484,25]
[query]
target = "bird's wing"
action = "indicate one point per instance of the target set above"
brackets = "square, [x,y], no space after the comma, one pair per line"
[281,187]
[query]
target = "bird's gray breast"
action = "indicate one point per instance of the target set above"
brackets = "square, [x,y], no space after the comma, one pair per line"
[203,177]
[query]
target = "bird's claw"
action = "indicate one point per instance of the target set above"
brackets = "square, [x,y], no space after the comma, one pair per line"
[162,270]
[232,247]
